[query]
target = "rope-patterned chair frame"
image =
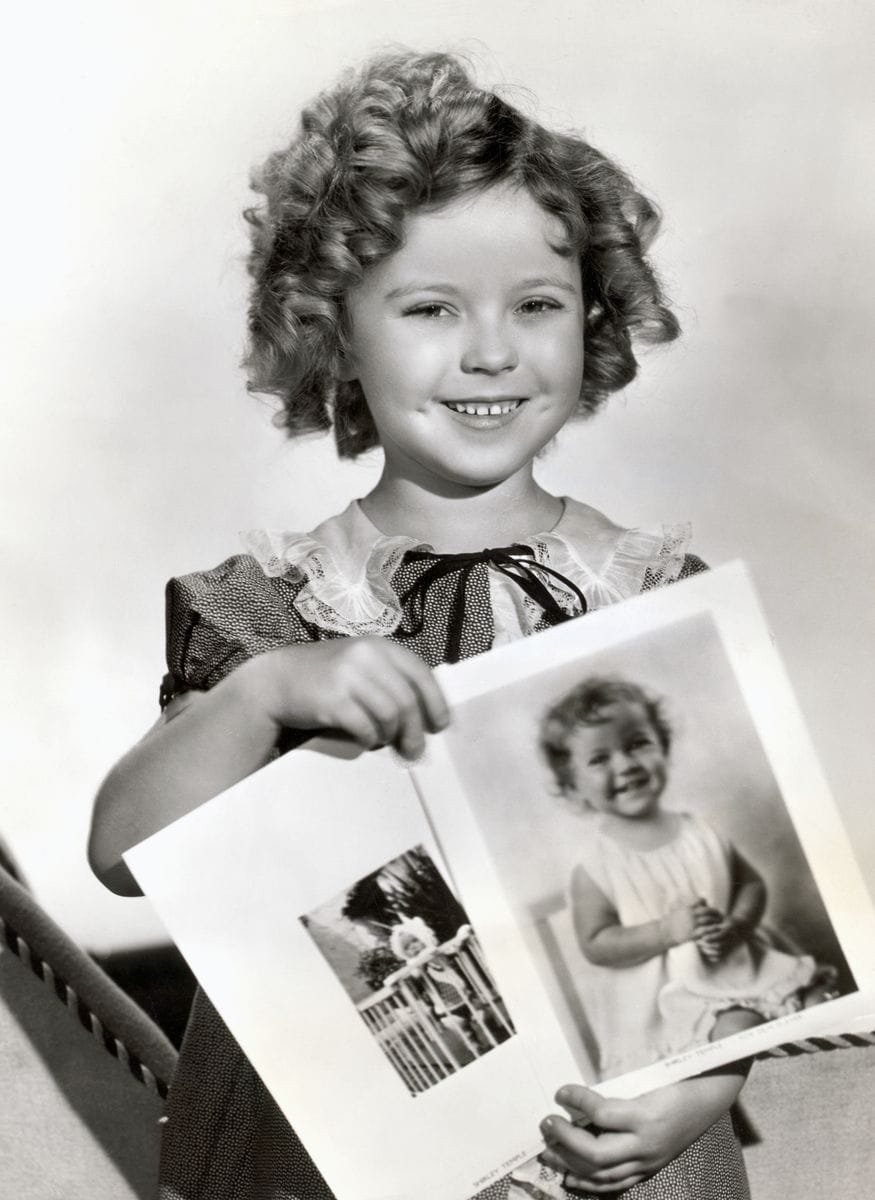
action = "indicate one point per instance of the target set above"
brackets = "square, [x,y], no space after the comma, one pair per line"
[814,1045]
[89,1020]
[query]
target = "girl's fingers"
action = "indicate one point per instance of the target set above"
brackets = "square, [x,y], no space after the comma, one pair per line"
[582,1099]
[411,736]
[592,1184]
[388,687]
[420,703]
[583,1151]
[710,934]
[354,720]
[395,703]
[422,679]
[711,938]
[620,1175]
[707,915]
[582,1148]
[558,1161]
[585,1105]
[383,708]
[401,692]
[580,1176]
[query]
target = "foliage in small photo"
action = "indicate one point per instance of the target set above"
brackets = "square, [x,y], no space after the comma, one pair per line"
[411,886]
[376,965]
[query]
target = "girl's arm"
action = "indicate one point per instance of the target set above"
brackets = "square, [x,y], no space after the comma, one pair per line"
[368,688]
[749,896]
[746,910]
[607,943]
[635,1138]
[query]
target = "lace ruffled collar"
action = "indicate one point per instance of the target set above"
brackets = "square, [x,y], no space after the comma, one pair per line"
[346,566]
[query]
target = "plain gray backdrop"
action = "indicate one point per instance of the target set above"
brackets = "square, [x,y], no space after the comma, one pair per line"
[132,452]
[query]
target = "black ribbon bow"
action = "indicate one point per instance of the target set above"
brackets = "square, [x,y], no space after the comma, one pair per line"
[516,562]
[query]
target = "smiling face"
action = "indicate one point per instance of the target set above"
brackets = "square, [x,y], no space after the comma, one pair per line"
[618,763]
[410,945]
[468,341]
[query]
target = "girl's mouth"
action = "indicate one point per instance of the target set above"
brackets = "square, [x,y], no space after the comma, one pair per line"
[484,415]
[631,785]
[483,408]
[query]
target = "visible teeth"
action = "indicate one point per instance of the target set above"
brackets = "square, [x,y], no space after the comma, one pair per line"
[486,410]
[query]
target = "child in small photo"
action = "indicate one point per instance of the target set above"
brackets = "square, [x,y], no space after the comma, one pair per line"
[666,909]
[450,994]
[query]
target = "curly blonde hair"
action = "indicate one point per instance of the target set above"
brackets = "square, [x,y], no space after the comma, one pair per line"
[406,132]
[586,704]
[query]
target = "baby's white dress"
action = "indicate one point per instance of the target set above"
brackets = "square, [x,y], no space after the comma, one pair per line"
[669,1004]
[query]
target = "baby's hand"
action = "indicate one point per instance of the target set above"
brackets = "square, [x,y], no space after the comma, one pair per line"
[716,941]
[685,923]
[375,691]
[608,1145]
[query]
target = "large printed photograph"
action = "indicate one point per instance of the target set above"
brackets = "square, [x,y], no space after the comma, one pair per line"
[646,849]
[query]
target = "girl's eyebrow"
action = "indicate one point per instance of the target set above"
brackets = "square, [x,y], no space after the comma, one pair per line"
[409,289]
[549,281]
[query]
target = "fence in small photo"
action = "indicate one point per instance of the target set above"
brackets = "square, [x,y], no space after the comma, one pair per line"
[422,1038]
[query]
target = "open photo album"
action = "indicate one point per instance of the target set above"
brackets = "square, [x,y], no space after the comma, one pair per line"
[619,865]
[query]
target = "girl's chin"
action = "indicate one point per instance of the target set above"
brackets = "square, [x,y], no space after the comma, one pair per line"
[638,805]
[450,479]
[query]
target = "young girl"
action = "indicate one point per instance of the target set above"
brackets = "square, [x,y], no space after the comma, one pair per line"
[661,901]
[449,993]
[436,274]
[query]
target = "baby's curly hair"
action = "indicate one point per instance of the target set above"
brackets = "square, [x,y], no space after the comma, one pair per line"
[585,705]
[412,131]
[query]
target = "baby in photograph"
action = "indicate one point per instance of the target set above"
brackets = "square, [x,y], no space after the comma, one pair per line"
[448,992]
[664,907]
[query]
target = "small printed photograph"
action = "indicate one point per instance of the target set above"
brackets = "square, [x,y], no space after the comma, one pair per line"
[637,826]
[401,945]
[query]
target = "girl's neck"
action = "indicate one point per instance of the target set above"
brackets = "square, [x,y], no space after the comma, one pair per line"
[467,520]
[642,833]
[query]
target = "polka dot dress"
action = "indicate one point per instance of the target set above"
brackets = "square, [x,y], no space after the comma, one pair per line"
[224,1138]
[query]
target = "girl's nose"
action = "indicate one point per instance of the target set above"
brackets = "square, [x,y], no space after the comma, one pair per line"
[490,349]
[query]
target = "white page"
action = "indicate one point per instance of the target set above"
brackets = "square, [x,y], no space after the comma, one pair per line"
[231,880]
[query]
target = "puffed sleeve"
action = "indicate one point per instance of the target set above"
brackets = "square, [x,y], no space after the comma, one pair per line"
[218,619]
[692,565]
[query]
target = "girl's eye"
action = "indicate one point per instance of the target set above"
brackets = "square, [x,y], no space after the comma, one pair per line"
[597,760]
[537,305]
[640,742]
[433,309]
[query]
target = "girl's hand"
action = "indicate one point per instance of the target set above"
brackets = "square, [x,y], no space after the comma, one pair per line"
[607,1145]
[715,942]
[707,918]
[369,688]
[685,923]
[708,923]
